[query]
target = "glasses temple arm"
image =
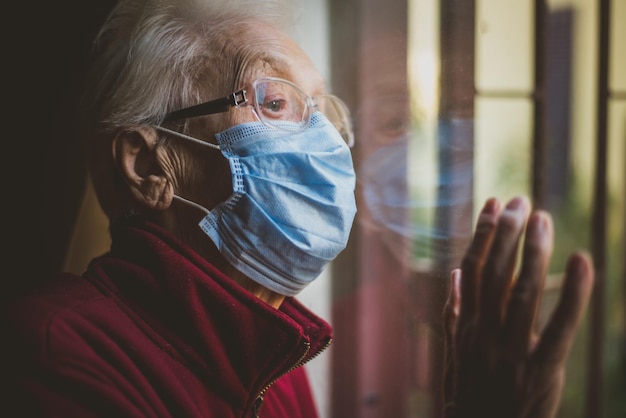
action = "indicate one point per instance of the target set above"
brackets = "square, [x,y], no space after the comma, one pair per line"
[238,98]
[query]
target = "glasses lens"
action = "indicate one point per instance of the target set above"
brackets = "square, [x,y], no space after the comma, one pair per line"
[284,106]
[337,113]
[280,104]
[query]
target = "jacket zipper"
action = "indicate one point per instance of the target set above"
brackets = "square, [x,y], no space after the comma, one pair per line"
[260,398]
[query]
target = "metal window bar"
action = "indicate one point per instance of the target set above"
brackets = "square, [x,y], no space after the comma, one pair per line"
[370,375]
[539,105]
[595,379]
[456,143]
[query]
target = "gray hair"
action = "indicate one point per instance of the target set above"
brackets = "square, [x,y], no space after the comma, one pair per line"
[155,56]
[150,54]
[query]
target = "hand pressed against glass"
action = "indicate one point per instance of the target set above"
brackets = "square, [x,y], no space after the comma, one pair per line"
[497,366]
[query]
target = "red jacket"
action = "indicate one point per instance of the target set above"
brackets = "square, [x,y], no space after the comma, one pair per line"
[153,330]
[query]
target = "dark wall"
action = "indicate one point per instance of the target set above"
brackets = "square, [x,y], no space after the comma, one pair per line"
[46,50]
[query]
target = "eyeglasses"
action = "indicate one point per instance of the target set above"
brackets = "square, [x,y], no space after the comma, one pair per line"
[279,104]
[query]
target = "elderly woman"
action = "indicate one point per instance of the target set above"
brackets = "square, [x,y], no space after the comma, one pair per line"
[225,170]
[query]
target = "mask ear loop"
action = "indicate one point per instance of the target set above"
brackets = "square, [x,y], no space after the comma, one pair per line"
[197,141]
[190,138]
[194,204]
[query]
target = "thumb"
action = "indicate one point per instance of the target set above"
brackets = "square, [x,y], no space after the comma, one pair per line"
[450,316]
[452,306]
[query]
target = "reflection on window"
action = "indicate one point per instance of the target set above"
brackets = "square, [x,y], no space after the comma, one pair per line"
[449,112]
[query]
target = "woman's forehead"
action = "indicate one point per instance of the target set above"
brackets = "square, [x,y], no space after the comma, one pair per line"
[301,73]
[280,56]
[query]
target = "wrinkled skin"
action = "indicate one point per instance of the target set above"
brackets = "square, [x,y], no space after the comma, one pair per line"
[498,364]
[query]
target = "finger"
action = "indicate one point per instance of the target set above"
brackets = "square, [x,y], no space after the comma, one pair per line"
[497,274]
[558,336]
[451,313]
[525,296]
[473,260]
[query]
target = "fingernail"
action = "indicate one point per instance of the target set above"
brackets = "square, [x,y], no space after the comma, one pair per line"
[538,223]
[579,263]
[455,289]
[514,204]
[490,206]
[456,277]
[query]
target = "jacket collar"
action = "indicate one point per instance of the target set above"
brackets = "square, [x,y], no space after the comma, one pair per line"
[200,316]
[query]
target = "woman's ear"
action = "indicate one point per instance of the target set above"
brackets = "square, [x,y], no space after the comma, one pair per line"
[134,153]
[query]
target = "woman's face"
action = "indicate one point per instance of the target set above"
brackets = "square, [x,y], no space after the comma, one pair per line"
[273,54]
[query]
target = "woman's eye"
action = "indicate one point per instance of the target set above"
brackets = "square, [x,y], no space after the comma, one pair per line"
[274,105]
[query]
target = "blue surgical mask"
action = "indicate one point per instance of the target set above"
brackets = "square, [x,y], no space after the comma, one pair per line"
[293,203]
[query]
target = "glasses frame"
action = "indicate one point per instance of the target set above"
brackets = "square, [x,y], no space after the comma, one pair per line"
[240,99]
[236,99]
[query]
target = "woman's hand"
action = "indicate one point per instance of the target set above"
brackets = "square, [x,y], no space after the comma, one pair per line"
[497,365]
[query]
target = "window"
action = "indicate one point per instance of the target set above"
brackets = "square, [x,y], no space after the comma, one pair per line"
[502,99]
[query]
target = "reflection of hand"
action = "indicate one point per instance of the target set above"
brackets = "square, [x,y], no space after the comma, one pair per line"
[496,366]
